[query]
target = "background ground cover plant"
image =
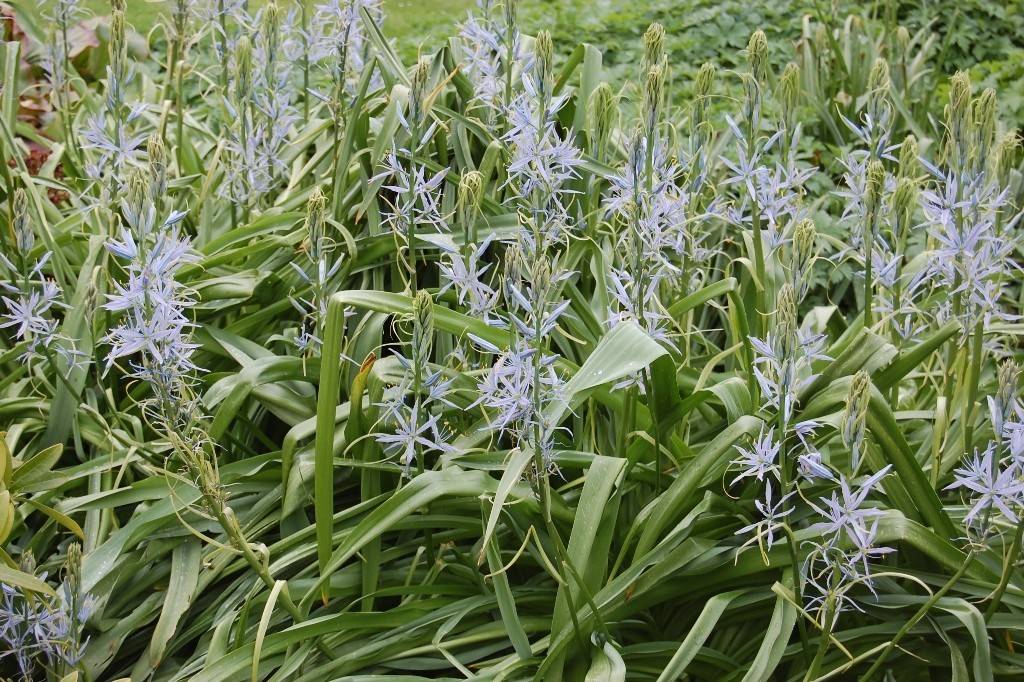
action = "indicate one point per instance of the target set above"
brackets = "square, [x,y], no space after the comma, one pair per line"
[515,360]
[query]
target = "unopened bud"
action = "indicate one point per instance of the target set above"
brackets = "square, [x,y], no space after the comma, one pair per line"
[654,47]
[73,564]
[243,68]
[26,239]
[544,53]
[1002,405]
[804,251]
[157,154]
[873,197]
[878,90]
[603,116]
[705,80]
[422,325]
[1006,157]
[654,94]
[905,195]
[854,422]
[985,120]
[419,106]
[903,41]
[786,320]
[910,164]
[958,118]
[471,188]
[788,93]
[316,213]
[757,55]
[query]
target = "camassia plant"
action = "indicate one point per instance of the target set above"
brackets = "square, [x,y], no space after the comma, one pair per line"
[322,366]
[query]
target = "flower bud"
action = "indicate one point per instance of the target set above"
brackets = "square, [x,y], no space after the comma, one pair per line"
[786,321]
[654,95]
[802,255]
[985,120]
[118,52]
[544,54]
[873,197]
[1001,405]
[316,213]
[1005,157]
[157,154]
[905,195]
[878,90]
[654,47]
[958,118]
[471,189]
[73,564]
[854,422]
[757,55]
[422,326]
[243,68]
[903,42]
[419,106]
[705,80]
[23,234]
[603,115]
[909,164]
[511,8]
[788,93]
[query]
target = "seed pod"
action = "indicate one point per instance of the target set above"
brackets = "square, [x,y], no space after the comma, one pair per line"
[757,55]
[654,47]
[788,93]
[909,165]
[854,423]
[22,232]
[422,326]
[603,115]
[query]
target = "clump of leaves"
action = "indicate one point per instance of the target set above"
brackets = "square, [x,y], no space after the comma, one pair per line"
[491,366]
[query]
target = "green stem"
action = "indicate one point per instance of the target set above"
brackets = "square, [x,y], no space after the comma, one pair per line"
[973,376]
[1004,579]
[921,612]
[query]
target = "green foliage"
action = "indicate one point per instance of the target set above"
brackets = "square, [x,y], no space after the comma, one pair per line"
[329,363]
